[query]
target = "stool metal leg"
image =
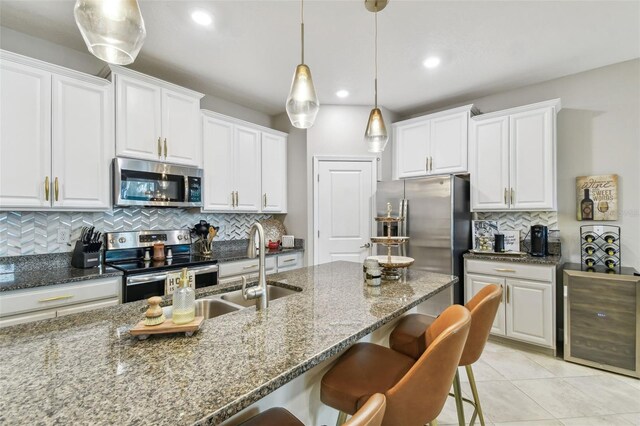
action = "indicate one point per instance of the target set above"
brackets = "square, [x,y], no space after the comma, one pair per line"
[457,391]
[476,398]
[342,418]
[433,422]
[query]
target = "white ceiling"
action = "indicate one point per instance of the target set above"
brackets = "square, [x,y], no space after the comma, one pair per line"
[249,54]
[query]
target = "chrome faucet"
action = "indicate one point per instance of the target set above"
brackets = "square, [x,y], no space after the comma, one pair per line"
[260,292]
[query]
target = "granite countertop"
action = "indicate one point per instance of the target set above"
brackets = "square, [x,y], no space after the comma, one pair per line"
[87,369]
[527,258]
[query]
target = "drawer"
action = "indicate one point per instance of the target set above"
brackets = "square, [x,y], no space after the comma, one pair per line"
[25,318]
[289,261]
[84,307]
[245,267]
[29,300]
[544,273]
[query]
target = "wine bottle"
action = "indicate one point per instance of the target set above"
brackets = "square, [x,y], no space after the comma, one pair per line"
[611,263]
[589,261]
[586,206]
[610,250]
[589,250]
[589,238]
[610,238]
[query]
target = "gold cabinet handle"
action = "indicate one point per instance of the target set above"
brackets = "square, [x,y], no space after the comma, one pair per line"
[56,188]
[250,267]
[504,270]
[505,195]
[237,198]
[159,147]
[46,188]
[265,200]
[54,298]
[233,204]
[426,164]
[288,260]
[430,164]
[165,147]
[513,195]
[508,294]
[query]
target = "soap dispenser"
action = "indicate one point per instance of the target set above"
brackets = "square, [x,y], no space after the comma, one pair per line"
[184,301]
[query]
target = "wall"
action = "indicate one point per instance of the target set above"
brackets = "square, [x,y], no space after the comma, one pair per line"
[598,133]
[83,61]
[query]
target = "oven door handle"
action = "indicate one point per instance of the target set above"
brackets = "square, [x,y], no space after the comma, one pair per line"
[145,279]
[204,269]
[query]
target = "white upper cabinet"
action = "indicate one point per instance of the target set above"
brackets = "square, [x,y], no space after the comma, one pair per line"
[236,155]
[274,173]
[513,158]
[433,144]
[489,164]
[82,144]
[25,136]
[156,120]
[56,141]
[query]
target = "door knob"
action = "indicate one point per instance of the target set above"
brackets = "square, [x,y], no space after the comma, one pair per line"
[366,245]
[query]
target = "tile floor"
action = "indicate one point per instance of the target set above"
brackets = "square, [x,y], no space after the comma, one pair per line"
[521,388]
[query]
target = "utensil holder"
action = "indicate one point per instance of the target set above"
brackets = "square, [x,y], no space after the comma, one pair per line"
[86,255]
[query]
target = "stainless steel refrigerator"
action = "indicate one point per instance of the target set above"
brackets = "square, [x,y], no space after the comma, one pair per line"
[438,222]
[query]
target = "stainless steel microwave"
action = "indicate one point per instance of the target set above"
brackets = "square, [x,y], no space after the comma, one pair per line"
[151,183]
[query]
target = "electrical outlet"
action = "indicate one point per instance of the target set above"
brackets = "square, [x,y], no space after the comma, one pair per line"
[64,235]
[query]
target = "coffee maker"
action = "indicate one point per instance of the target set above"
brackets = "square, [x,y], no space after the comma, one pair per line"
[539,240]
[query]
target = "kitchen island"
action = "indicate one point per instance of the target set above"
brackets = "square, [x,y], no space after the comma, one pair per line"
[87,369]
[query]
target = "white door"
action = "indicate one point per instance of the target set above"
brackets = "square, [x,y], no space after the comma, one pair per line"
[25,136]
[489,154]
[138,119]
[344,191]
[246,160]
[529,311]
[474,283]
[181,139]
[448,142]
[82,144]
[412,149]
[218,165]
[274,173]
[532,160]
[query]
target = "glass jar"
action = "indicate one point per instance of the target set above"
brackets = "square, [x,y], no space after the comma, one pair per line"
[184,301]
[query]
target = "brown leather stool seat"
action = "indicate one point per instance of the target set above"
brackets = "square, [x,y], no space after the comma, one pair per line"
[350,382]
[276,416]
[409,335]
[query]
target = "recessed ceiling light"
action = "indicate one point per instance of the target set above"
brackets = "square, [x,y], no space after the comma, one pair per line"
[202,18]
[342,93]
[431,62]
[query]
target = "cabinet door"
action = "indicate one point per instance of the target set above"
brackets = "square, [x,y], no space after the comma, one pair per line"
[529,311]
[25,318]
[25,136]
[218,165]
[474,283]
[138,119]
[448,142]
[533,171]
[82,144]
[489,154]
[412,149]
[84,307]
[180,129]
[246,159]
[274,173]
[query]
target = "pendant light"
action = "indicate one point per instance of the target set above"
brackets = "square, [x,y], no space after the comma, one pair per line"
[113,30]
[376,136]
[302,104]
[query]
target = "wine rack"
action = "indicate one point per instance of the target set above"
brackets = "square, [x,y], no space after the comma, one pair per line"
[600,246]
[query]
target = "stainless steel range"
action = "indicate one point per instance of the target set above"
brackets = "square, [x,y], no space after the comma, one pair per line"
[139,255]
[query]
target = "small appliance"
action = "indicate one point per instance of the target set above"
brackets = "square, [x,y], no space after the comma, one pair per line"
[151,183]
[539,240]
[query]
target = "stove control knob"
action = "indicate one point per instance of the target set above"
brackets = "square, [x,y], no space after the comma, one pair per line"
[122,240]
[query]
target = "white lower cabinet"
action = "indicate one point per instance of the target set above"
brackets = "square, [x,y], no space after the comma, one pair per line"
[233,271]
[527,309]
[22,306]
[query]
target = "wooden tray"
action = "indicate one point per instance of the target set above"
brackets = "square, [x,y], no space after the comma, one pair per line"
[143,331]
[493,253]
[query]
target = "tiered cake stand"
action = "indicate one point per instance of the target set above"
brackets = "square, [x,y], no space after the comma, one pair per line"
[393,267]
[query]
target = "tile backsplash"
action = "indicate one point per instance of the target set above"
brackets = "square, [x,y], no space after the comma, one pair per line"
[37,232]
[520,221]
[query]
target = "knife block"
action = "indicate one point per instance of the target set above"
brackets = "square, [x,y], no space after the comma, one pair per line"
[82,258]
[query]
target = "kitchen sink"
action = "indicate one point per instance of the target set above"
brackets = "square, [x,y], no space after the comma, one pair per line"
[209,308]
[273,293]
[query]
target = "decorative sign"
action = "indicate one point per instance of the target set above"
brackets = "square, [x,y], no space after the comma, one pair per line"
[511,241]
[173,279]
[483,234]
[597,197]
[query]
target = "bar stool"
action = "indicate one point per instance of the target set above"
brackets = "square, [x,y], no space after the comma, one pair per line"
[408,339]
[370,414]
[416,390]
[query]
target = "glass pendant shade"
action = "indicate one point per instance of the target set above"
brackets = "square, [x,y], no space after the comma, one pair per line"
[302,104]
[113,30]
[376,136]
